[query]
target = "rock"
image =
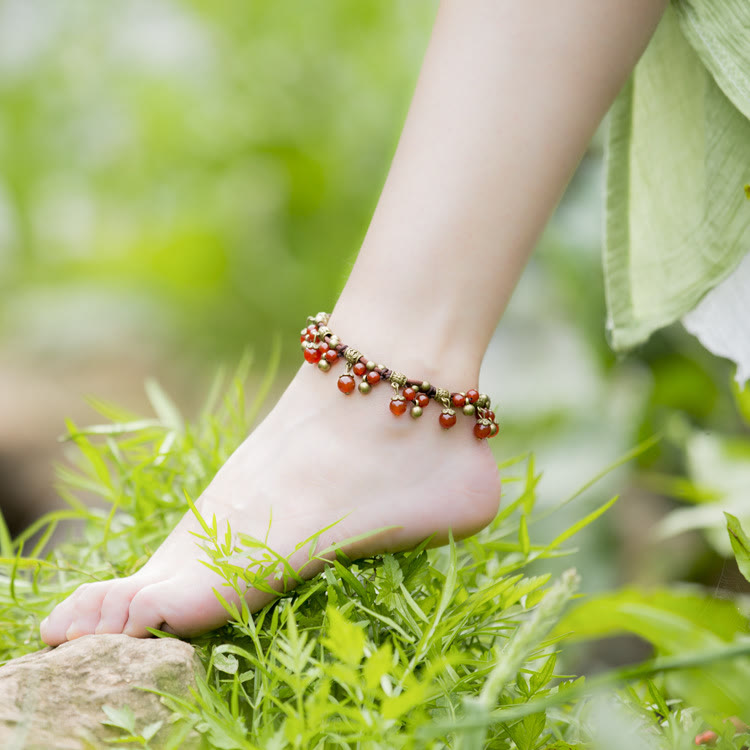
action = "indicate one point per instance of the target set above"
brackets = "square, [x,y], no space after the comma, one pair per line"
[54,698]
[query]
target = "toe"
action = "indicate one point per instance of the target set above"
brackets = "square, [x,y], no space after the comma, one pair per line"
[116,605]
[86,610]
[76,616]
[145,610]
[176,605]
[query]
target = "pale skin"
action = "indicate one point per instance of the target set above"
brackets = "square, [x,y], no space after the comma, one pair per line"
[508,98]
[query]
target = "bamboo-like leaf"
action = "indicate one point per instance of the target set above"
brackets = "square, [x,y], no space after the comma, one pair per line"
[740,544]
[166,409]
[582,524]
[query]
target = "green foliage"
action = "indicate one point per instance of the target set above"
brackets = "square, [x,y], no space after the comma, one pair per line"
[457,647]
[740,544]
[199,150]
[124,719]
[718,477]
[676,622]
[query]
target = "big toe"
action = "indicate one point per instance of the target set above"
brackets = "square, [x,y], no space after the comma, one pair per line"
[176,605]
[147,607]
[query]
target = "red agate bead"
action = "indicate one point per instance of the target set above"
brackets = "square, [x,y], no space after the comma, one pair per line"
[458,400]
[331,356]
[398,405]
[373,377]
[472,395]
[483,429]
[422,400]
[359,369]
[346,384]
[312,354]
[323,346]
[447,418]
[409,393]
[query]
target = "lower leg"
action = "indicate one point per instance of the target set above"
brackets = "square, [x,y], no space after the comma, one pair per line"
[508,98]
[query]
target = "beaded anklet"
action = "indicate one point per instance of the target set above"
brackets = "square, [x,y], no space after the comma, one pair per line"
[323,348]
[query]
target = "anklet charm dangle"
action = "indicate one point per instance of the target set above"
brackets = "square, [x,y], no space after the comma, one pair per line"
[346,384]
[323,348]
[447,418]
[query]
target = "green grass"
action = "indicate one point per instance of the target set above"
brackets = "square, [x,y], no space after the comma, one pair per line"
[460,647]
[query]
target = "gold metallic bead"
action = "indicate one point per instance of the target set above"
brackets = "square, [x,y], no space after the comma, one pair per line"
[352,355]
[442,396]
[469,409]
[483,402]
[370,365]
[324,365]
[425,386]
[364,387]
[398,379]
[416,411]
[334,341]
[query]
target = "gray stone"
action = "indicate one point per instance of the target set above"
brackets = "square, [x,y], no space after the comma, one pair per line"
[54,698]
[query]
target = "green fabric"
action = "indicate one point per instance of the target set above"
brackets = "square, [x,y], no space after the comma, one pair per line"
[678,157]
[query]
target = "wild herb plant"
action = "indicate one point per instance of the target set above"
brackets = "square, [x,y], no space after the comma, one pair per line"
[450,648]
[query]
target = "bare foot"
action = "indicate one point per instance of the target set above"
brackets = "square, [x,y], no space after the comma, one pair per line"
[318,458]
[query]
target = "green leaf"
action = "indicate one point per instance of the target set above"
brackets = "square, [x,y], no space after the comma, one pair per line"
[392,574]
[151,729]
[544,675]
[122,718]
[629,456]
[6,544]
[742,399]
[226,663]
[523,537]
[166,410]
[675,622]
[395,707]
[115,428]
[579,525]
[393,577]
[740,544]
[345,640]
[378,665]
[525,733]
[659,703]
[349,577]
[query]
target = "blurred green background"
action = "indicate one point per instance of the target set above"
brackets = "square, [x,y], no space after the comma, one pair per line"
[180,182]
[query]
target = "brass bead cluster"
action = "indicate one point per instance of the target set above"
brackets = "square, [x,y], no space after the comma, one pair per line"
[323,348]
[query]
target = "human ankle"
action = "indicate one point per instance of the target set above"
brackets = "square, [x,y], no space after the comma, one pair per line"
[428,348]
